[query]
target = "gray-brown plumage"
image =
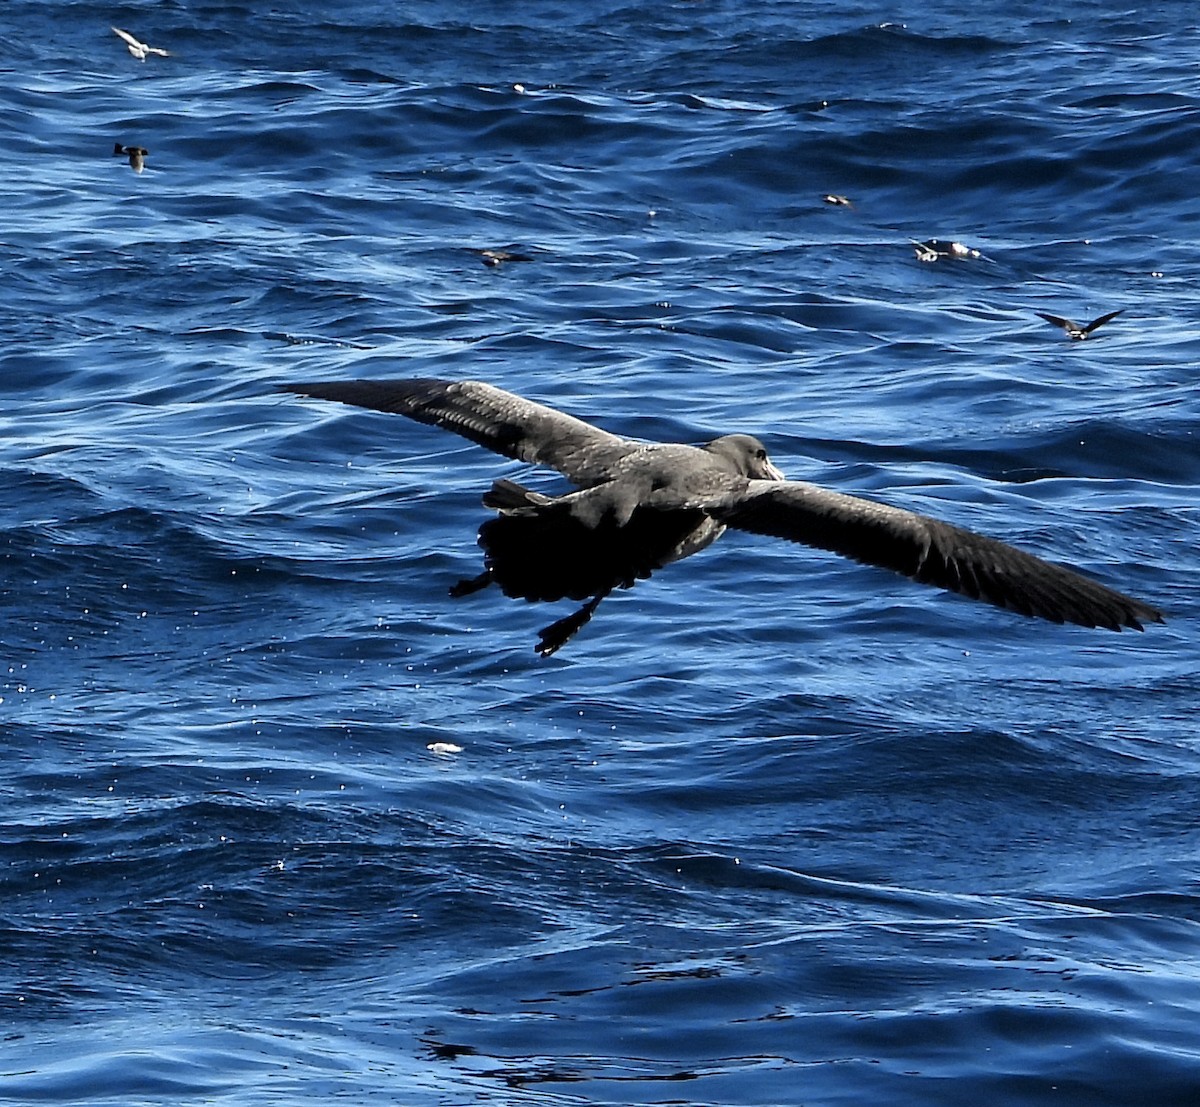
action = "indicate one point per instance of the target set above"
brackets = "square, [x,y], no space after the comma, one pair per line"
[1076,330]
[640,506]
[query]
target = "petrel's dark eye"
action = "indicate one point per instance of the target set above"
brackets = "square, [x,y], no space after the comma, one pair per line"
[761,455]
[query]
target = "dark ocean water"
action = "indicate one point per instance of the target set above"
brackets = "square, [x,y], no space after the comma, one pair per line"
[775,828]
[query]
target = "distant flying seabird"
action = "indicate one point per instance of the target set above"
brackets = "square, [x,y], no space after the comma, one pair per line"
[1074,330]
[138,49]
[642,505]
[135,154]
[496,257]
[937,248]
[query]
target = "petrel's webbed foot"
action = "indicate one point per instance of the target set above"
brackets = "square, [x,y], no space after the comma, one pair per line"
[558,634]
[473,584]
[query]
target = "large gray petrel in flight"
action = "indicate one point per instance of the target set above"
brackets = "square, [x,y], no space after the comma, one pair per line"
[641,505]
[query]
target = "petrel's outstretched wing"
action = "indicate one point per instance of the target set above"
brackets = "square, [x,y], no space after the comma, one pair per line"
[1101,321]
[128,39]
[931,552]
[501,421]
[1073,329]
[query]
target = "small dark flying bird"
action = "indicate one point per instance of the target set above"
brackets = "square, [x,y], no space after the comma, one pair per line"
[1074,330]
[135,154]
[938,248]
[640,506]
[496,257]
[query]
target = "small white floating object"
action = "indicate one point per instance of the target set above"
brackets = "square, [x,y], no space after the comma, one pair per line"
[138,49]
[443,749]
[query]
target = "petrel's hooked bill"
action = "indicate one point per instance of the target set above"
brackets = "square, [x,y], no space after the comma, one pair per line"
[640,506]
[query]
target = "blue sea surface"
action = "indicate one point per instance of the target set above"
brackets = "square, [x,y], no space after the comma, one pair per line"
[281,822]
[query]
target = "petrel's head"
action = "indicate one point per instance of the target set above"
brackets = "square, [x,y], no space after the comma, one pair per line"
[745,455]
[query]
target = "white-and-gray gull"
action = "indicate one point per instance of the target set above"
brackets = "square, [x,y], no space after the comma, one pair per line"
[640,506]
[138,49]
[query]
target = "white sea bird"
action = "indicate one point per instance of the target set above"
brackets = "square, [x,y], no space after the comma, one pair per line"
[138,49]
